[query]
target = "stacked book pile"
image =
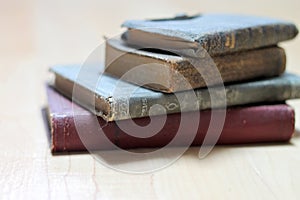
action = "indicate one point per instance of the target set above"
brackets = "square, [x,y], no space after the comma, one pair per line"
[164,70]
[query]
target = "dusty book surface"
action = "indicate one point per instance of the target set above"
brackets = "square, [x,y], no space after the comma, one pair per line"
[114,99]
[216,33]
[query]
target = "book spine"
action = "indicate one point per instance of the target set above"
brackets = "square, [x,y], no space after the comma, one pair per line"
[271,123]
[168,70]
[272,90]
[65,133]
[254,37]
[242,66]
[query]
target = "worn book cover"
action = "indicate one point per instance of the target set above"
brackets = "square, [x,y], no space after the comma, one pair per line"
[216,33]
[141,66]
[114,99]
[252,124]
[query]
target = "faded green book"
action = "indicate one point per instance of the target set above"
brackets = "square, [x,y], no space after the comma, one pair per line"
[114,99]
[218,34]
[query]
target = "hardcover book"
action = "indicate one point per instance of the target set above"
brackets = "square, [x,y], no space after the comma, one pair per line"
[215,33]
[167,69]
[114,99]
[252,124]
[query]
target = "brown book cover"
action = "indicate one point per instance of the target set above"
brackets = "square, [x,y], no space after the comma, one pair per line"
[252,124]
[167,69]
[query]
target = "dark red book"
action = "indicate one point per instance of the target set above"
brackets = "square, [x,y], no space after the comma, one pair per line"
[243,125]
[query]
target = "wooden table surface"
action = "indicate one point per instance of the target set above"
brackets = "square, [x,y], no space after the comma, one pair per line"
[36,34]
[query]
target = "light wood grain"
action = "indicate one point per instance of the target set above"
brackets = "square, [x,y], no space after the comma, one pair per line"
[36,34]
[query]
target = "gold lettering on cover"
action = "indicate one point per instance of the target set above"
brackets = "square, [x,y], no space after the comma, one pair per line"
[144,107]
[123,107]
[172,106]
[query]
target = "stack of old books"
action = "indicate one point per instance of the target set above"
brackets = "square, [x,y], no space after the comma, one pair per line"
[166,69]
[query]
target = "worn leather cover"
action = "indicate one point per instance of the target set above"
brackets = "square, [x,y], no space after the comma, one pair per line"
[158,67]
[253,124]
[216,33]
[118,100]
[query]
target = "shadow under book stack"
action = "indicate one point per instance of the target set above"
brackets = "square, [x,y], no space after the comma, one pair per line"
[156,61]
